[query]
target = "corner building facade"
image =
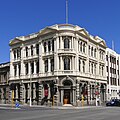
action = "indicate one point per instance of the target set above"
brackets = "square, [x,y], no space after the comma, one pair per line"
[65,54]
[113,74]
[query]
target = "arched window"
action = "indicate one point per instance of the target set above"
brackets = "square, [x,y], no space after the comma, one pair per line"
[66,63]
[66,43]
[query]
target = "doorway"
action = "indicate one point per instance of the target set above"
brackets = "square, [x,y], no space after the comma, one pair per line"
[66,96]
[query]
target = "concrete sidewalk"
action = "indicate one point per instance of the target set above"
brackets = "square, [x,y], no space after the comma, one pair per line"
[66,106]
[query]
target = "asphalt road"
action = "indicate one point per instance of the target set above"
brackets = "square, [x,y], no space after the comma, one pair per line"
[95,113]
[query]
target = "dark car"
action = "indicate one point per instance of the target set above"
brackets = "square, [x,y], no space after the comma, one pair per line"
[113,102]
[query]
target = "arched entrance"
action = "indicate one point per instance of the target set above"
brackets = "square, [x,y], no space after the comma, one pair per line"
[67,93]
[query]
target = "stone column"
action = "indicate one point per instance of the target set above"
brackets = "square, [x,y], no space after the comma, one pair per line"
[88,88]
[34,93]
[56,96]
[34,50]
[77,90]
[17,70]
[16,92]
[72,62]
[28,97]
[62,97]
[22,93]
[72,43]
[35,67]
[40,92]
[29,68]
[61,61]
[61,43]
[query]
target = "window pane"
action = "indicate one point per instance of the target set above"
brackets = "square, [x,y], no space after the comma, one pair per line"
[66,43]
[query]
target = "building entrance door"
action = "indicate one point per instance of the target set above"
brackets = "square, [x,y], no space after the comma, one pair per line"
[66,96]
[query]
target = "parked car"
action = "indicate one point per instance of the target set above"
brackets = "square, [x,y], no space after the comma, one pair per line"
[113,102]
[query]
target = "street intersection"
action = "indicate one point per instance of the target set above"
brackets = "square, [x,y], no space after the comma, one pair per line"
[60,113]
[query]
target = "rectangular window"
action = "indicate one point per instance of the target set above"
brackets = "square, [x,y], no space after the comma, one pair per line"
[89,50]
[37,66]
[52,65]
[107,68]
[111,80]
[45,47]
[32,50]
[107,80]
[59,42]
[110,59]
[32,67]
[14,52]
[53,45]
[26,68]
[19,69]
[15,70]
[46,65]
[26,51]
[18,53]
[106,57]
[37,49]
[83,66]
[117,62]
[118,82]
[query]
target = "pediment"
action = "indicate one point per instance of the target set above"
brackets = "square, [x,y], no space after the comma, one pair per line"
[47,30]
[15,41]
[102,43]
[83,32]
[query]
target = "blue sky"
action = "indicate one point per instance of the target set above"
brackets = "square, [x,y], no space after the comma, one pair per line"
[23,17]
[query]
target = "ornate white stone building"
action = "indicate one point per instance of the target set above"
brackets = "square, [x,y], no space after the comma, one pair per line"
[65,54]
[113,74]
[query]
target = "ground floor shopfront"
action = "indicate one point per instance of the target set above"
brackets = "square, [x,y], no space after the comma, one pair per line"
[69,90]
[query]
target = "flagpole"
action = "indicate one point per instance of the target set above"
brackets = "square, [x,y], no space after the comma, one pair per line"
[66,11]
